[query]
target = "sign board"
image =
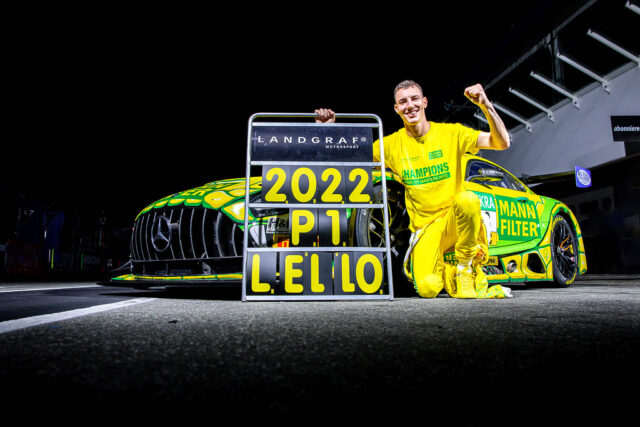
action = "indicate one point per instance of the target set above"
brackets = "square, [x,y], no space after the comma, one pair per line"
[320,173]
[625,128]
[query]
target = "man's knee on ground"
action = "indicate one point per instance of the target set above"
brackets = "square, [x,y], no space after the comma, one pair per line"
[429,286]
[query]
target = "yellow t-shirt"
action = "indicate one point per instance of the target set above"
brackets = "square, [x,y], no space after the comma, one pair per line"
[430,167]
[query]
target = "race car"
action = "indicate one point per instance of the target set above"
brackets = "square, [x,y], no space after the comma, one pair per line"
[195,237]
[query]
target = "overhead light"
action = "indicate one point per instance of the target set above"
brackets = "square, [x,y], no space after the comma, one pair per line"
[574,64]
[532,102]
[513,115]
[614,46]
[633,7]
[554,86]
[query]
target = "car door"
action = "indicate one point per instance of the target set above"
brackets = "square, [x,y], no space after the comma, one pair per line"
[510,211]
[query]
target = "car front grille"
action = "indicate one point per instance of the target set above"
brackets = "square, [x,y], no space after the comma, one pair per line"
[186,241]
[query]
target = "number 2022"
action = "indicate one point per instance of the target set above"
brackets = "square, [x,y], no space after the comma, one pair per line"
[304,185]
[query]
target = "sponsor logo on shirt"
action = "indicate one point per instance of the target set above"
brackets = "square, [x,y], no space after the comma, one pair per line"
[435,154]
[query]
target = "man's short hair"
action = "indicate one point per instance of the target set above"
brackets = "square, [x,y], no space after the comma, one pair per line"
[406,84]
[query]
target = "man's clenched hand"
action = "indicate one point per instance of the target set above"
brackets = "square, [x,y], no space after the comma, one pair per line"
[477,95]
[325,115]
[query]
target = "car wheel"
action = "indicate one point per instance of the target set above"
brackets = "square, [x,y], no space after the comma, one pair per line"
[564,247]
[369,231]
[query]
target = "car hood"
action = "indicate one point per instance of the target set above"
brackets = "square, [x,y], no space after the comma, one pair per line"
[226,195]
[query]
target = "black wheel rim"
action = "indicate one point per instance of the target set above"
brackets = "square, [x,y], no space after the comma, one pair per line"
[564,249]
[398,225]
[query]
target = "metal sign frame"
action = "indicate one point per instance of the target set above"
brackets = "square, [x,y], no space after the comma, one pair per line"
[384,205]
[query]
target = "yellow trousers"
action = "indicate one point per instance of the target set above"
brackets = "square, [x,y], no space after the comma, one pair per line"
[460,227]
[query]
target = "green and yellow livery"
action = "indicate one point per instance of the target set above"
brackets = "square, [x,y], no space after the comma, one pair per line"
[196,237]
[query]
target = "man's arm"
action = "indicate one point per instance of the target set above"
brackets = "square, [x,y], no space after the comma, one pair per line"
[498,137]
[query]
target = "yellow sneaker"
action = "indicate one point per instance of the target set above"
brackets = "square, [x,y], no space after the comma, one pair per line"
[465,282]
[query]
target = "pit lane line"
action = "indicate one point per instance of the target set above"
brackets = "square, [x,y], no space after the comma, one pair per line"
[26,322]
[26,288]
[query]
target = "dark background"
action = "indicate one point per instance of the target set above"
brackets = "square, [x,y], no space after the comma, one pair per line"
[110,110]
[127,108]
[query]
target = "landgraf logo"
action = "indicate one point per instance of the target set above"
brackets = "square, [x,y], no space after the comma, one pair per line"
[297,139]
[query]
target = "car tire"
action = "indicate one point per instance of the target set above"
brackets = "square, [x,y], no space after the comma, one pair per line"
[564,256]
[368,230]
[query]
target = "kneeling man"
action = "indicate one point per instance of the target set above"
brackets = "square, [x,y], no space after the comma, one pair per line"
[428,157]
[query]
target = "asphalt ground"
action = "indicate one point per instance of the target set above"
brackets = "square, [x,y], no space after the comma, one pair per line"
[547,355]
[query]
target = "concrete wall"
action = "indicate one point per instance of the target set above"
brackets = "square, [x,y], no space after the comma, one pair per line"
[576,136]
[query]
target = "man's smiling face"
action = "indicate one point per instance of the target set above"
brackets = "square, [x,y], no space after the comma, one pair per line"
[410,105]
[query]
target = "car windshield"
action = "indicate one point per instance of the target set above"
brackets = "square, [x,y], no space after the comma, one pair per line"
[478,169]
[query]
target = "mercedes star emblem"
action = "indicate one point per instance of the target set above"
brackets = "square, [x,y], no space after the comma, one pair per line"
[161,234]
